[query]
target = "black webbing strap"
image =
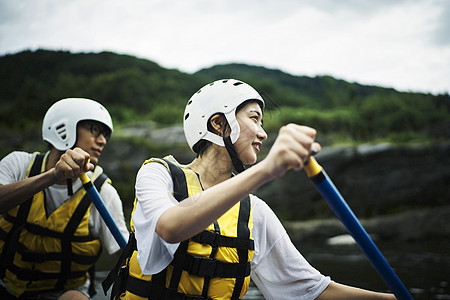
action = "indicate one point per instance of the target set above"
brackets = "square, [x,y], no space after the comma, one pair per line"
[66,241]
[118,275]
[237,163]
[100,180]
[7,255]
[215,239]
[35,275]
[179,181]
[39,230]
[40,257]
[178,260]
[213,253]
[158,284]
[3,233]
[180,193]
[211,267]
[152,291]
[68,234]
[243,232]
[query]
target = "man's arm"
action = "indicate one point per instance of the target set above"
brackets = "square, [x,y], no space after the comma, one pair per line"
[69,165]
[16,193]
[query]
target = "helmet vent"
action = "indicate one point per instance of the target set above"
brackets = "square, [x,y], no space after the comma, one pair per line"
[237,83]
[61,131]
[190,101]
[186,116]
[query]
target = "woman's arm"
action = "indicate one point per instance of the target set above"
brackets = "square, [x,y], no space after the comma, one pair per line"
[291,148]
[339,291]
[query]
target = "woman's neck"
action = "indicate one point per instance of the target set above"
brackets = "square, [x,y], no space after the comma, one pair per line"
[213,167]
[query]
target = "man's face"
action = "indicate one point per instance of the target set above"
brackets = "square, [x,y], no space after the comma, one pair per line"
[92,137]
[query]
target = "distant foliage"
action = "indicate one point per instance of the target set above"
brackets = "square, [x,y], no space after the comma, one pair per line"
[130,87]
[342,111]
[135,89]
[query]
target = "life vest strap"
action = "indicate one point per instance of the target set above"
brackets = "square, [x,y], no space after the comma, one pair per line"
[243,232]
[35,275]
[179,181]
[40,257]
[211,267]
[3,235]
[215,239]
[119,273]
[7,255]
[9,218]
[146,289]
[42,231]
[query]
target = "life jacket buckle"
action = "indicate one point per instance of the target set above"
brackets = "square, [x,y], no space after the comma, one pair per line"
[207,237]
[204,267]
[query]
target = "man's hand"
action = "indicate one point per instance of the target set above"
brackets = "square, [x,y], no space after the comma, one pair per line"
[72,164]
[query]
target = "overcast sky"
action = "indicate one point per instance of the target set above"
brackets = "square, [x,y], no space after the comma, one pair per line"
[404,44]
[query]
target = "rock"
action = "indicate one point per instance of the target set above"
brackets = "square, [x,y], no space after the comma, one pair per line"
[426,224]
[374,180]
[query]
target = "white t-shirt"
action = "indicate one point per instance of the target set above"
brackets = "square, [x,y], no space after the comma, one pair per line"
[13,168]
[277,267]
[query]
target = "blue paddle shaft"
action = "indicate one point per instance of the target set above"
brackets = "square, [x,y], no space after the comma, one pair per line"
[340,207]
[105,214]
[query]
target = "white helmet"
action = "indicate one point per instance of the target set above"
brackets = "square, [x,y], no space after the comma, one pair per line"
[221,96]
[59,127]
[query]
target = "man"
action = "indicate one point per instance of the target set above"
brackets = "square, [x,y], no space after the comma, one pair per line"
[50,233]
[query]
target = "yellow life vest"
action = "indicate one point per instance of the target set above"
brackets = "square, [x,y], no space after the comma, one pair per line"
[55,252]
[215,264]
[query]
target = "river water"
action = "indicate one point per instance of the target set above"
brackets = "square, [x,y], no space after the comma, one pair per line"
[423,267]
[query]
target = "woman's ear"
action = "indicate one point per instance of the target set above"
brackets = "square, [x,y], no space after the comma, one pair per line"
[218,124]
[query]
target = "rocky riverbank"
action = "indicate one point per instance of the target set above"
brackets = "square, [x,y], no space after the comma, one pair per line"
[375,180]
[425,224]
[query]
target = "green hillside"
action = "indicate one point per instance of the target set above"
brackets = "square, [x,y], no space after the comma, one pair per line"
[135,89]
[129,87]
[344,111]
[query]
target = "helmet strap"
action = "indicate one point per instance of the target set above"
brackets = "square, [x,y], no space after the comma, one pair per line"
[237,163]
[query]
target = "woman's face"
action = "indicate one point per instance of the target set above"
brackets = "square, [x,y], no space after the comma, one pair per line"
[252,134]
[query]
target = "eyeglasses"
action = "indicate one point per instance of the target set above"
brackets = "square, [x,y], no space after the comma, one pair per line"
[96,129]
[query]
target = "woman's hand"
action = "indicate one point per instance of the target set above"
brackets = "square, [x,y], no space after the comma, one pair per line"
[292,148]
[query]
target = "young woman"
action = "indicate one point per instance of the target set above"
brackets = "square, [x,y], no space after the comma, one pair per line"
[200,233]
